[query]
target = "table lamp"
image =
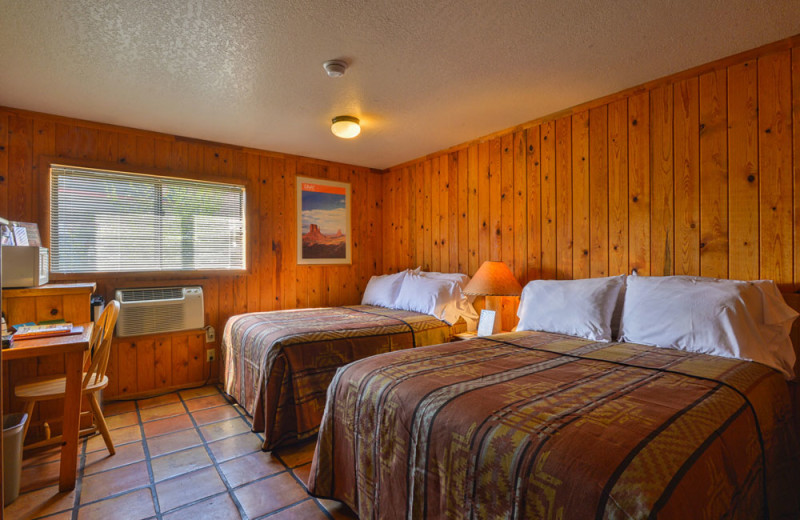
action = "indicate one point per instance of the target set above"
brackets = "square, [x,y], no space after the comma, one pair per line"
[493,279]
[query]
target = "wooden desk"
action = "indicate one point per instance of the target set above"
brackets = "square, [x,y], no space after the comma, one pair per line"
[73,347]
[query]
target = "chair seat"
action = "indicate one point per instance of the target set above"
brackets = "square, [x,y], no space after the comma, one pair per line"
[52,387]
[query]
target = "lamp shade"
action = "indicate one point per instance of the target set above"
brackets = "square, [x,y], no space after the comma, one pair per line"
[493,279]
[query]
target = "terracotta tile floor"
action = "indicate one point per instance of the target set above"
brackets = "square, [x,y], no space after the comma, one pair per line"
[187,454]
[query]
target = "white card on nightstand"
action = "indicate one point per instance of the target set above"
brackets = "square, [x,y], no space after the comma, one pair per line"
[486,325]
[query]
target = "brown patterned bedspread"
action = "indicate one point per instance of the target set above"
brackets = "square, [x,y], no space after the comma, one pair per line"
[549,426]
[278,364]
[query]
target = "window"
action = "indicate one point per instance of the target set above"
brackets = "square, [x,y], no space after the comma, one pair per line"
[104,221]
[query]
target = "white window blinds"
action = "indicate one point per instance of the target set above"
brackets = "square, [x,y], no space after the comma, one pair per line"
[102,221]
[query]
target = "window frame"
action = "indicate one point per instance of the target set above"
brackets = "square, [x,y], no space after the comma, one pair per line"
[46,162]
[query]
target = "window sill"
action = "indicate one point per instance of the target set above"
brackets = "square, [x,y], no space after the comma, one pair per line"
[151,275]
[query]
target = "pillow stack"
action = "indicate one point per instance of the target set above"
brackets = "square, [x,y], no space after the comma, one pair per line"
[437,294]
[729,318]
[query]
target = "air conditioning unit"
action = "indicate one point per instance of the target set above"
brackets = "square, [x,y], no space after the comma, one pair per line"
[159,309]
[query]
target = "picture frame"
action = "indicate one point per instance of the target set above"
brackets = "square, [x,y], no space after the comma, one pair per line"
[323,222]
[488,323]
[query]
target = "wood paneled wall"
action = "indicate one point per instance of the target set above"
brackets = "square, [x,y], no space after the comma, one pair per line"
[696,174]
[273,281]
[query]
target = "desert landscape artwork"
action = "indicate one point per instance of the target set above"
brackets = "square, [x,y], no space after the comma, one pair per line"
[323,221]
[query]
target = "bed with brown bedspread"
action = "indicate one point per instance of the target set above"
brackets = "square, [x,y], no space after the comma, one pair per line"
[542,425]
[278,364]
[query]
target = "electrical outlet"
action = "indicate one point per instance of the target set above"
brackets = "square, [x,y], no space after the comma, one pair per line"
[210,335]
[210,355]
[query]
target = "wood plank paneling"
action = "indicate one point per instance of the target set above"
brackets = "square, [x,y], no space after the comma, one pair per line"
[484,197]
[496,187]
[581,259]
[598,191]
[775,165]
[462,240]
[534,206]
[693,174]
[520,207]
[618,186]
[687,178]
[507,200]
[713,175]
[548,184]
[639,184]
[474,224]
[563,186]
[743,201]
[452,211]
[662,234]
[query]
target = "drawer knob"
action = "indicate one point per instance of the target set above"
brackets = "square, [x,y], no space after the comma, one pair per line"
[53,312]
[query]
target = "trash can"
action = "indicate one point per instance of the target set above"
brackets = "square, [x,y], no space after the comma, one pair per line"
[13,424]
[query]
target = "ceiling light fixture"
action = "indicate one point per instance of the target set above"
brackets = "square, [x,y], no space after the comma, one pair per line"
[346,127]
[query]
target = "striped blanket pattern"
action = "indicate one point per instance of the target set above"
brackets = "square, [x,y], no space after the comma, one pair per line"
[278,364]
[538,425]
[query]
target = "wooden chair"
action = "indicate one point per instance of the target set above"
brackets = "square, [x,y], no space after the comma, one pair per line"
[94,379]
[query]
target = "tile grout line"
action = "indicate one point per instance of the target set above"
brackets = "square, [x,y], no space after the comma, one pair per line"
[148,465]
[284,508]
[214,462]
[312,497]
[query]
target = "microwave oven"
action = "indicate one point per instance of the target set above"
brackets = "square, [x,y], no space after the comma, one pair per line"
[25,266]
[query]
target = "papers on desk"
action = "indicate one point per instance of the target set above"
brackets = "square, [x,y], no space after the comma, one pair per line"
[44,331]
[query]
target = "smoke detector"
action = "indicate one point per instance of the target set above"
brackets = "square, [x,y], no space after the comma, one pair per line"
[335,68]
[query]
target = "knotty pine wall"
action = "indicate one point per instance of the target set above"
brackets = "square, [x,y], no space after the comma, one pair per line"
[696,174]
[273,281]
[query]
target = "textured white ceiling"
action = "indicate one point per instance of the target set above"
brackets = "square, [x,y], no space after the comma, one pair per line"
[424,75]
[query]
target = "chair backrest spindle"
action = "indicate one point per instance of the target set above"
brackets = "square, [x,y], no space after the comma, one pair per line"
[100,346]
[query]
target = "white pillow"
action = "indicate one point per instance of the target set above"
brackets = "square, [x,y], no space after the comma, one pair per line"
[580,308]
[729,318]
[461,279]
[383,290]
[437,296]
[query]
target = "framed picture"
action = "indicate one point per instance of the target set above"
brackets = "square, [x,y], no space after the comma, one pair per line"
[488,323]
[323,222]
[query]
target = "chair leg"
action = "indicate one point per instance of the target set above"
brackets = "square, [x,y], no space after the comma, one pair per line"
[28,410]
[101,423]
